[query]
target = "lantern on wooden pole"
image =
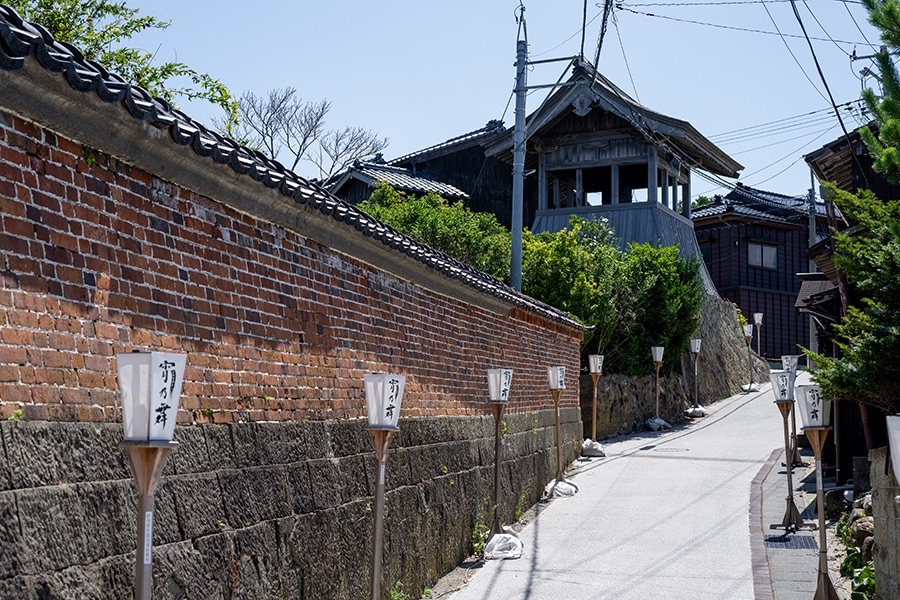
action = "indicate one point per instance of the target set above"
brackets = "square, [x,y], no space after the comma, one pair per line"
[758,321]
[696,410]
[656,353]
[556,377]
[789,364]
[592,447]
[499,384]
[501,542]
[783,390]
[815,415]
[150,386]
[748,337]
[384,395]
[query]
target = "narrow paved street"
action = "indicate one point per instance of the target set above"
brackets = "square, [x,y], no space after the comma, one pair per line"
[663,515]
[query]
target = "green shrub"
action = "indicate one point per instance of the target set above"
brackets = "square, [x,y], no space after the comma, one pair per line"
[632,300]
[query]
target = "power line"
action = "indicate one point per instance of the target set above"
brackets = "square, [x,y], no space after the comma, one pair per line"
[779,142]
[786,156]
[828,89]
[786,120]
[567,40]
[607,9]
[822,27]
[769,131]
[791,52]
[625,58]
[858,28]
[731,3]
[729,27]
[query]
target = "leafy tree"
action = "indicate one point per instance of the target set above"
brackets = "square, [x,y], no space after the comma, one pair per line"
[869,335]
[580,270]
[667,295]
[885,15]
[704,201]
[284,125]
[646,296]
[477,239]
[100,29]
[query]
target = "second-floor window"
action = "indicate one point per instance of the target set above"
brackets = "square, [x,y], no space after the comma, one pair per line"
[762,255]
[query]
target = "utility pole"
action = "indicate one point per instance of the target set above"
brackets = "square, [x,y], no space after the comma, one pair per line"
[813,338]
[518,187]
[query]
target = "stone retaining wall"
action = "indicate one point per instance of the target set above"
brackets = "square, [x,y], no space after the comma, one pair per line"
[887,526]
[625,403]
[260,510]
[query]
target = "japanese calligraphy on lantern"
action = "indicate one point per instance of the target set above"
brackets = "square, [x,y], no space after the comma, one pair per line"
[814,408]
[499,384]
[556,377]
[789,363]
[782,385]
[392,400]
[165,390]
[506,384]
[150,388]
[384,394]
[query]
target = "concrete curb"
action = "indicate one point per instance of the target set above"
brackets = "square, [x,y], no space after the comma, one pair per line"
[759,558]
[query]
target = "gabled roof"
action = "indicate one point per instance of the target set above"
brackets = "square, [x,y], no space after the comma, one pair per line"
[130,110]
[400,179]
[587,89]
[749,203]
[772,201]
[461,142]
[721,208]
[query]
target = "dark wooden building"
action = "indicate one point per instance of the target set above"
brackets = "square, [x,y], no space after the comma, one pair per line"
[462,163]
[591,151]
[754,244]
[846,163]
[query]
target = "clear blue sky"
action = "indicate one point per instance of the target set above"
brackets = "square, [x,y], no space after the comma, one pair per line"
[420,71]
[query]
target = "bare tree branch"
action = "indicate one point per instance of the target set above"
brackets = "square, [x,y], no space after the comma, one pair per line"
[339,148]
[290,129]
[302,127]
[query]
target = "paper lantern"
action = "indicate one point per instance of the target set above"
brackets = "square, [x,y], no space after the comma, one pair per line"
[384,393]
[150,385]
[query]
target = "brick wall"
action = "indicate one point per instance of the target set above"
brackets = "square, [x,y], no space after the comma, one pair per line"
[99,257]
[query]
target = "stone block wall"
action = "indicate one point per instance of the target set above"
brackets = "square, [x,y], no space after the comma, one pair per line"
[260,510]
[886,552]
[725,363]
[625,403]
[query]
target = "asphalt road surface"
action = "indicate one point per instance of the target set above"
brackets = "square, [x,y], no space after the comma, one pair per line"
[662,516]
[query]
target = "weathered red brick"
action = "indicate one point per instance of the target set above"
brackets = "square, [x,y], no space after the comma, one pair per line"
[9,373]
[15,393]
[89,414]
[56,359]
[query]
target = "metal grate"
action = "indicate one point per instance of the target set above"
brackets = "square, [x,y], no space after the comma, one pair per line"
[791,542]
